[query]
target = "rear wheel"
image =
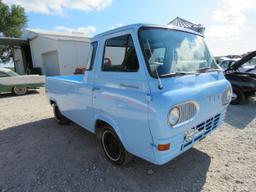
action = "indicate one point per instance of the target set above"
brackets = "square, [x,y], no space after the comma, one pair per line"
[62,120]
[20,90]
[238,96]
[113,148]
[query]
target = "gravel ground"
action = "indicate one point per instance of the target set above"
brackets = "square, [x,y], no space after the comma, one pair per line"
[36,154]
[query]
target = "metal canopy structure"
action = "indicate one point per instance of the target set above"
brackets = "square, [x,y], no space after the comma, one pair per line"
[21,53]
[187,25]
[13,41]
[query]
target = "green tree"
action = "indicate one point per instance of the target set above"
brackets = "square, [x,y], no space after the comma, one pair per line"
[12,20]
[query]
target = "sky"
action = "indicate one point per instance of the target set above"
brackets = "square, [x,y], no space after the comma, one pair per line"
[230,24]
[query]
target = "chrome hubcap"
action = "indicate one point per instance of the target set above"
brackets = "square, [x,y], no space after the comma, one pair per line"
[20,91]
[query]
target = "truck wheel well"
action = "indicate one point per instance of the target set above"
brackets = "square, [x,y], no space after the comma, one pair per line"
[98,125]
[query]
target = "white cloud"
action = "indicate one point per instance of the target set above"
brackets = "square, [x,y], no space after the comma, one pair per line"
[224,31]
[231,19]
[58,7]
[89,30]
[232,30]
[234,11]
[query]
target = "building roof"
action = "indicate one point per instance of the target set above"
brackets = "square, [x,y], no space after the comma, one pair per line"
[66,36]
[187,25]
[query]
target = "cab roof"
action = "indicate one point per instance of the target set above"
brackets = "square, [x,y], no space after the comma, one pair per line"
[139,25]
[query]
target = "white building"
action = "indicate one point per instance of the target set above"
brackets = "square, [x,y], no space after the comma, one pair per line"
[57,53]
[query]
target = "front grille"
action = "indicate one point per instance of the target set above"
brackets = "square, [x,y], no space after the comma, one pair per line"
[187,112]
[201,130]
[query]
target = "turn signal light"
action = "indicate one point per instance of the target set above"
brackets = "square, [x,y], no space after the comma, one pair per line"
[163,147]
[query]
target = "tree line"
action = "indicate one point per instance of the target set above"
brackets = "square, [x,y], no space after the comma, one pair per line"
[12,21]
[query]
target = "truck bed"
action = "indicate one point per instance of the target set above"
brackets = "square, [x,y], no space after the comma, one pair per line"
[60,88]
[73,96]
[71,78]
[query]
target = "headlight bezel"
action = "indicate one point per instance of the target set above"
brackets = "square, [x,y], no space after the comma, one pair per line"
[227,96]
[191,108]
[169,114]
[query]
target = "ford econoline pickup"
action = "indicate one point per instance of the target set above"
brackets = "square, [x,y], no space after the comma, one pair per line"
[150,91]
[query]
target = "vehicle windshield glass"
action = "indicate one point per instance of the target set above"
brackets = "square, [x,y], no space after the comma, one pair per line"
[252,62]
[169,52]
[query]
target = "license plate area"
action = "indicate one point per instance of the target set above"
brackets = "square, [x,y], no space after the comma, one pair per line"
[200,131]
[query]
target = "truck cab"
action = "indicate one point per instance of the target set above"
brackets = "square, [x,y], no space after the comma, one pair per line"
[148,90]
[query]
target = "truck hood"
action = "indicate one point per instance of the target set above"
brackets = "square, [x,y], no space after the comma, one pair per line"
[240,62]
[205,90]
[188,81]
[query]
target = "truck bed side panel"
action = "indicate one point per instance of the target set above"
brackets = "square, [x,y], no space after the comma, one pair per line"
[74,98]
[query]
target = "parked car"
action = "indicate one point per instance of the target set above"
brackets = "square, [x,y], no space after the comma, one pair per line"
[226,62]
[249,66]
[148,90]
[18,84]
[243,81]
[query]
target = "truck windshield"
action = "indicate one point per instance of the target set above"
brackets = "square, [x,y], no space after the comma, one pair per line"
[172,52]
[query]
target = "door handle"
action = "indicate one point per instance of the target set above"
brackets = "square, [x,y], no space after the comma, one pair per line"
[128,86]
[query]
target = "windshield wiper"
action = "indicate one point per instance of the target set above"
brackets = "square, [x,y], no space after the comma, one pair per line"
[207,69]
[177,74]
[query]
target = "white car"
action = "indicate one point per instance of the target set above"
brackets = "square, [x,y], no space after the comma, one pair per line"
[18,84]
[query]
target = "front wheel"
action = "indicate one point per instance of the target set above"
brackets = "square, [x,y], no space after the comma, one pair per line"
[238,96]
[113,148]
[20,90]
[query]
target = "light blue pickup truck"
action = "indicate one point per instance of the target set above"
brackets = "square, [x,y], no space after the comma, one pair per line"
[150,91]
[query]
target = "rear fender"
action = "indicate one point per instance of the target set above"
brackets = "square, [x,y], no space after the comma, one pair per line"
[113,124]
[52,101]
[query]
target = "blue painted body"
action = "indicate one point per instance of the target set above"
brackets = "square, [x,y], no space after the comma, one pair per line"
[138,112]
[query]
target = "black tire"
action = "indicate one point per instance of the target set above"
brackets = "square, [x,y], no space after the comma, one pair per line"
[238,96]
[113,148]
[62,120]
[250,94]
[19,90]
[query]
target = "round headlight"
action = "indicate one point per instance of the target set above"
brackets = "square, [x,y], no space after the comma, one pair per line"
[174,116]
[229,94]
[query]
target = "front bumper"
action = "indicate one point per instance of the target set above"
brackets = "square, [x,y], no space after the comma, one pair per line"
[184,140]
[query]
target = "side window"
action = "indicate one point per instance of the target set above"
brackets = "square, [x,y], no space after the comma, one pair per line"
[156,58]
[92,54]
[120,55]
[2,74]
